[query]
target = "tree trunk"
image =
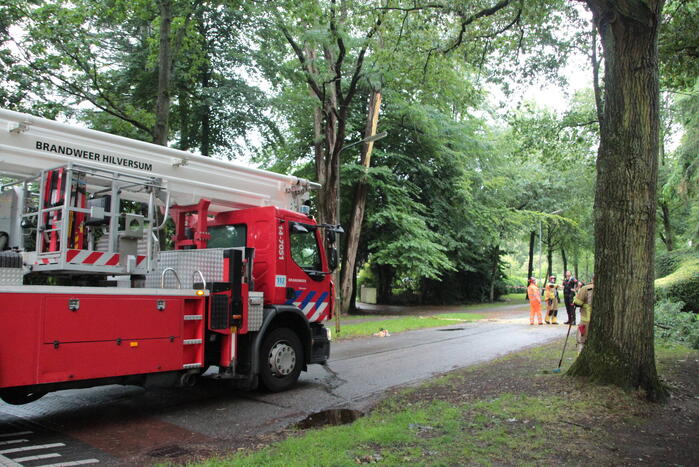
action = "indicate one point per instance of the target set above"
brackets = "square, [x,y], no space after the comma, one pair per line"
[205,80]
[206,113]
[385,279]
[162,107]
[620,349]
[530,268]
[353,296]
[549,254]
[494,272]
[599,101]
[357,214]
[184,118]
[667,236]
[565,260]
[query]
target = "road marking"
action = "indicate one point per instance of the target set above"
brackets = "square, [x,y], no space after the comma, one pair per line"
[7,462]
[68,464]
[37,457]
[13,441]
[19,433]
[30,448]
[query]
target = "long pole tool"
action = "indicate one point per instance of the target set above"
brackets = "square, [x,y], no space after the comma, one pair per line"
[560,362]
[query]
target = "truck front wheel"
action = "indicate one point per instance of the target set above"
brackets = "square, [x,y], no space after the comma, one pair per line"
[281,359]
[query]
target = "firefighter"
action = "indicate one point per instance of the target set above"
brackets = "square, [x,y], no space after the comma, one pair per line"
[584,300]
[534,301]
[570,285]
[551,299]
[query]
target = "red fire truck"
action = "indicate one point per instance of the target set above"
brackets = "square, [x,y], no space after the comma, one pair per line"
[90,295]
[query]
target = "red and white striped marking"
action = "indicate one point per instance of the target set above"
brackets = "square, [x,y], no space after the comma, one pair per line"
[91,258]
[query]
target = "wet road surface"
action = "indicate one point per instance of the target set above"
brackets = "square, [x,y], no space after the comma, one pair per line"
[128,425]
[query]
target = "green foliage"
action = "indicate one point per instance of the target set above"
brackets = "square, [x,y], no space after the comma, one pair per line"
[97,61]
[672,324]
[666,263]
[678,45]
[406,323]
[683,283]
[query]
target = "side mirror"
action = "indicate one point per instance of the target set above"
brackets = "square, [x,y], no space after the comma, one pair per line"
[332,259]
[330,236]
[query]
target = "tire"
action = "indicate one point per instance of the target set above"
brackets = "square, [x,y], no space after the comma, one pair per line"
[281,360]
[19,397]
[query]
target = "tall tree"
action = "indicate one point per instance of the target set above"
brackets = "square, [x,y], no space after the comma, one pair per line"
[620,346]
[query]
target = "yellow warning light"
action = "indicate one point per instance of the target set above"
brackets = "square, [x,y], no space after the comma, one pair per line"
[133,344]
[200,293]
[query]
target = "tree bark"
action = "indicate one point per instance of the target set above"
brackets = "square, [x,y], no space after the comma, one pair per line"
[206,113]
[530,268]
[667,236]
[358,206]
[599,102]
[549,253]
[565,260]
[620,349]
[353,300]
[184,111]
[162,106]
[494,272]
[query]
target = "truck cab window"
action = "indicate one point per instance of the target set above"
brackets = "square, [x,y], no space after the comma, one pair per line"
[304,248]
[227,236]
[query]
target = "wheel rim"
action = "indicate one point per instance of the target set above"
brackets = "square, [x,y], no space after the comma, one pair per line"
[282,359]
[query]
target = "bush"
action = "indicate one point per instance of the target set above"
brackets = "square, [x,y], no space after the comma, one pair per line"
[673,324]
[682,285]
[668,262]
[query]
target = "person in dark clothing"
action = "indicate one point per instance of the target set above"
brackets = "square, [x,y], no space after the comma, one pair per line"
[570,287]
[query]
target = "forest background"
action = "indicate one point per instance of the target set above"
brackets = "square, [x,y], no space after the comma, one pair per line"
[449,207]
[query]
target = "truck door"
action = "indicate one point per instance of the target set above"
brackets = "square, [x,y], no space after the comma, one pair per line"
[307,283]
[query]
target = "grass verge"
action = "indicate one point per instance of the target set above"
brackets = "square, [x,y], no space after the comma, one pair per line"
[406,323]
[509,412]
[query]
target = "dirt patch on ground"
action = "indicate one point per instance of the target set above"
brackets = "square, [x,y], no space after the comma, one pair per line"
[625,430]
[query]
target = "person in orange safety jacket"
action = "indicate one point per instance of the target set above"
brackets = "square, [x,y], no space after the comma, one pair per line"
[534,301]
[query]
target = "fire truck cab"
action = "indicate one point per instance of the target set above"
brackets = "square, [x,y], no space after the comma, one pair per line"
[123,262]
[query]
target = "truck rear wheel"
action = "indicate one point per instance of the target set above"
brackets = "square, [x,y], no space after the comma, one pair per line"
[281,359]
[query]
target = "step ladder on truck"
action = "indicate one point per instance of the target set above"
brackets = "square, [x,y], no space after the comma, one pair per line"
[124,262]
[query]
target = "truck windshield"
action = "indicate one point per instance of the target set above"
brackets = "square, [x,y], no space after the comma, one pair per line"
[304,249]
[227,236]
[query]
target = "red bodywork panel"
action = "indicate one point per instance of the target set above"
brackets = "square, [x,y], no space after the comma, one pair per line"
[274,270]
[109,335]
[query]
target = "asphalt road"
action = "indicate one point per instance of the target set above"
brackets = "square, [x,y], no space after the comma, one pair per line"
[129,425]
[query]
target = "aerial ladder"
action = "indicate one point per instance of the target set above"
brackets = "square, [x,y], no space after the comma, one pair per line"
[194,262]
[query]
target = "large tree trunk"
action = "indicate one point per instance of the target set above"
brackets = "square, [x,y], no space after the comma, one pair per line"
[162,107]
[357,213]
[620,345]
[565,260]
[530,268]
